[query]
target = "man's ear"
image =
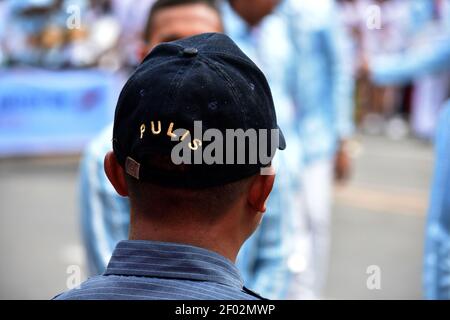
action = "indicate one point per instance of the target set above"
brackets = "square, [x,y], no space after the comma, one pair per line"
[259,191]
[116,174]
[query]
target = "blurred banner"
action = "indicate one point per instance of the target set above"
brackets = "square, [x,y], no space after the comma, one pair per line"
[45,112]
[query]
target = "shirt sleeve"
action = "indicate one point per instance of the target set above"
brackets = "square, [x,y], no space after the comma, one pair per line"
[104,214]
[416,62]
[343,83]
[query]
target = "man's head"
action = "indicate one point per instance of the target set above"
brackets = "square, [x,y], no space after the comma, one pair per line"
[220,218]
[255,10]
[216,205]
[171,20]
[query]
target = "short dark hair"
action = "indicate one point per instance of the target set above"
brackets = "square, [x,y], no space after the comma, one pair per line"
[164,4]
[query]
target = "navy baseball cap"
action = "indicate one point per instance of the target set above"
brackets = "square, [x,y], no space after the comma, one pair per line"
[185,101]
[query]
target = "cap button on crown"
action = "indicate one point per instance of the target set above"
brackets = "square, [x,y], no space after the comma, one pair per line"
[190,52]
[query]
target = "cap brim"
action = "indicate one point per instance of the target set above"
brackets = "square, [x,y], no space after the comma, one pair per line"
[282,140]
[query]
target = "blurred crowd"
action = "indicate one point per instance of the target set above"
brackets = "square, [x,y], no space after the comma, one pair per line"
[382,64]
[381,28]
[58,34]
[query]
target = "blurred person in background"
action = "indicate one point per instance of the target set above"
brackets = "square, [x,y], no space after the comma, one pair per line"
[104,214]
[382,27]
[437,248]
[423,62]
[132,16]
[262,32]
[402,25]
[428,57]
[384,103]
[304,54]
[430,91]
[323,92]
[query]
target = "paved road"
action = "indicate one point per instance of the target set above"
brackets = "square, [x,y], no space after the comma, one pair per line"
[378,220]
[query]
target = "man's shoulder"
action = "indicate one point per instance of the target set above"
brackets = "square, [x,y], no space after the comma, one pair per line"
[73,293]
[149,288]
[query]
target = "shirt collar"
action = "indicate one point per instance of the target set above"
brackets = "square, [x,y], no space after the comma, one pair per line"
[172,261]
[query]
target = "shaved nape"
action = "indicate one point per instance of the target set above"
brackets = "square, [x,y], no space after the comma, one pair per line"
[158,202]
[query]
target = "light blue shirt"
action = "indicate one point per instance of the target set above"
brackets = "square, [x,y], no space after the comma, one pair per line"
[400,68]
[322,81]
[150,270]
[437,246]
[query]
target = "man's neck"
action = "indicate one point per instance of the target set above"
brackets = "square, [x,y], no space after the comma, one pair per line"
[251,21]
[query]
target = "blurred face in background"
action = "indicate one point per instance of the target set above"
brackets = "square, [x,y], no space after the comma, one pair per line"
[253,11]
[173,23]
